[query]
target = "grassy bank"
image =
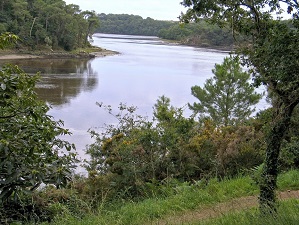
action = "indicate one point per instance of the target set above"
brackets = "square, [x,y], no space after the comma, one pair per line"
[187,203]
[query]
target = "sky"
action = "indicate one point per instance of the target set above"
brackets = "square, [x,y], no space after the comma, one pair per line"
[155,9]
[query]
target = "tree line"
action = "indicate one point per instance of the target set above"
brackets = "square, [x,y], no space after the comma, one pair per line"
[131,25]
[137,157]
[47,23]
[200,34]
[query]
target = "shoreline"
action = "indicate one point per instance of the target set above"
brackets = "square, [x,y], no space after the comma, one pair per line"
[8,55]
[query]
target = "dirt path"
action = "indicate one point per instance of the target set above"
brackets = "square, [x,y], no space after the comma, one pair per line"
[220,209]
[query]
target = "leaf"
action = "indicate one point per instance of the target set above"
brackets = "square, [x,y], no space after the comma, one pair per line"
[3,86]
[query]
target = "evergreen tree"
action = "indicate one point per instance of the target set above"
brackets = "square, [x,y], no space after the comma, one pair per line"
[228,96]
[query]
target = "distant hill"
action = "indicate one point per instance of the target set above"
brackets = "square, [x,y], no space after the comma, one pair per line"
[200,34]
[131,25]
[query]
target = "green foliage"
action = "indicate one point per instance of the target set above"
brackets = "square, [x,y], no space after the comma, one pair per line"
[203,34]
[31,153]
[7,39]
[227,98]
[44,205]
[272,57]
[186,199]
[175,32]
[135,151]
[227,151]
[289,153]
[200,34]
[180,197]
[275,62]
[131,25]
[53,23]
[132,157]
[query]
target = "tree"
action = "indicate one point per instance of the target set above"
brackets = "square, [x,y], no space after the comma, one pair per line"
[33,21]
[7,39]
[93,23]
[29,147]
[31,153]
[272,55]
[136,152]
[228,96]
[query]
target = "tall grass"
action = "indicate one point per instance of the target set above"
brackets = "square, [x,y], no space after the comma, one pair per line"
[184,198]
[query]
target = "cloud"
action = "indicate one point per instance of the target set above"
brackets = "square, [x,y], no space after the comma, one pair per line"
[156,9]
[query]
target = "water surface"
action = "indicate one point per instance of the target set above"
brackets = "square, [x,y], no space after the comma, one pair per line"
[145,69]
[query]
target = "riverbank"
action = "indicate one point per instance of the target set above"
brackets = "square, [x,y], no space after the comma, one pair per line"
[81,53]
[202,46]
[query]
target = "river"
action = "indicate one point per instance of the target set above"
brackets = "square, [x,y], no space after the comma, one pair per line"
[145,69]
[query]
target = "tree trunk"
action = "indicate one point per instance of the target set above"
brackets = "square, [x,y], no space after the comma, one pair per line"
[282,120]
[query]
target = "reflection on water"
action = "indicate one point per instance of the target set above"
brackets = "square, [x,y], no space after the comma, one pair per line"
[145,69]
[61,79]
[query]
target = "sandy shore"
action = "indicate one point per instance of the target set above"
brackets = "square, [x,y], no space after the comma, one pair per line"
[14,55]
[20,56]
[104,53]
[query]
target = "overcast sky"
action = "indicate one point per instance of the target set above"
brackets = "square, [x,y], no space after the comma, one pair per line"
[156,9]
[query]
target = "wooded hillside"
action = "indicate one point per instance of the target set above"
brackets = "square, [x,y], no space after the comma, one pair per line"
[47,22]
[131,25]
[200,34]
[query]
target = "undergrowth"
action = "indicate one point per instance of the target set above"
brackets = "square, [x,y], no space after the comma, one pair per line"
[185,197]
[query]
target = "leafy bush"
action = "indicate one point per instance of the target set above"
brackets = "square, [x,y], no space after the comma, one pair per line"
[31,152]
[136,157]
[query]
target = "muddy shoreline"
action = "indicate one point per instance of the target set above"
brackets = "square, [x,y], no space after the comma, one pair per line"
[55,55]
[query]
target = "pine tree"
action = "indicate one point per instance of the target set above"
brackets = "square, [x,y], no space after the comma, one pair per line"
[228,97]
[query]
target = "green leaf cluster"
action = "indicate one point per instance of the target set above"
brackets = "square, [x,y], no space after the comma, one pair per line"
[7,39]
[47,23]
[228,97]
[31,152]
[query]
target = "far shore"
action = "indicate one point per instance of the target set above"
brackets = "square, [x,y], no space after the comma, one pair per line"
[6,55]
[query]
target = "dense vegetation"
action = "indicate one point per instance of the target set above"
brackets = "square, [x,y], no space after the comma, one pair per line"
[47,23]
[168,158]
[271,53]
[135,159]
[177,199]
[201,34]
[31,152]
[138,152]
[130,25]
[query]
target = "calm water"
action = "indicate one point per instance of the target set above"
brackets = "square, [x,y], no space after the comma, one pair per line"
[145,69]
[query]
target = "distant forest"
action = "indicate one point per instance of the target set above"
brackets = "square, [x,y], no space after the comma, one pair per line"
[56,25]
[131,25]
[53,24]
[200,34]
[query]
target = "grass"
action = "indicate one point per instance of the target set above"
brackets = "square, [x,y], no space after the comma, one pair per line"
[287,215]
[189,198]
